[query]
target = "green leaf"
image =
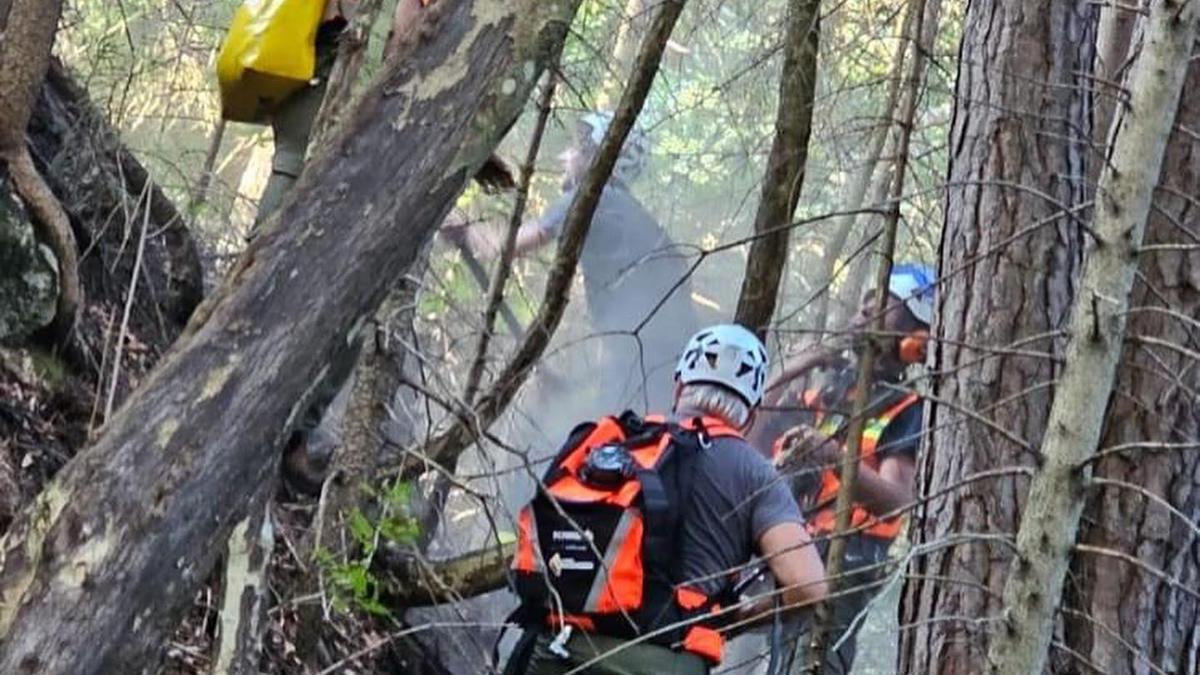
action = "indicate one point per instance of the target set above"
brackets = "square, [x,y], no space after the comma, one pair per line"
[361,528]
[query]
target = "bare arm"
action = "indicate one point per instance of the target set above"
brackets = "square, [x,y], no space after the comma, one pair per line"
[797,365]
[794,562]
[484,243]
[890,488]
[530,238]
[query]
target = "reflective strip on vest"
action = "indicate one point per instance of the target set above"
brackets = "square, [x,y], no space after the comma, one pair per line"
[614,579]
[825,520]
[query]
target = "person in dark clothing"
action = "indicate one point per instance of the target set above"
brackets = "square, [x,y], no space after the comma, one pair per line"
[632,270]
[888,448]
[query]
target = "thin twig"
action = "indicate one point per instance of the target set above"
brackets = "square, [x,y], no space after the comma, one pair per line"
[508,249]
[133,282]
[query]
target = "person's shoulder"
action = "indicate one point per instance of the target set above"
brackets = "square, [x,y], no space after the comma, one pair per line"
[735,454]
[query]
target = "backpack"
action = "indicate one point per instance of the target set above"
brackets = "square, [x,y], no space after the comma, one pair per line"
[598,545]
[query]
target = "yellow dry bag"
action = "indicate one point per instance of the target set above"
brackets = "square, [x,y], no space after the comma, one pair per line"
[269,53]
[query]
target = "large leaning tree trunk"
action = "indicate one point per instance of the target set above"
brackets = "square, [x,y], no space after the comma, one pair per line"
[785,167]
[96,572]
[1116,612]
[1050,522]
[1011,251]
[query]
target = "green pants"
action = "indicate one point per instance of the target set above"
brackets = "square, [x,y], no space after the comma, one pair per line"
[292,124]
[637,659]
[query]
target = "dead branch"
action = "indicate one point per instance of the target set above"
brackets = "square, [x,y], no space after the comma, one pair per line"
[415,582]
[508,248]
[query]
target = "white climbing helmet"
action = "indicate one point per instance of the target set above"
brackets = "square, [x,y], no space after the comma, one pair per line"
[913,284]
[728,355]
[634,154]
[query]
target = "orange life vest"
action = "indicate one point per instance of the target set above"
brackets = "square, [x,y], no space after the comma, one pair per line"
[824,520]
[604,558]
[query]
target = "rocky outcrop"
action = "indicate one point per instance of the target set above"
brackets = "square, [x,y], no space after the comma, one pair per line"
[28,272]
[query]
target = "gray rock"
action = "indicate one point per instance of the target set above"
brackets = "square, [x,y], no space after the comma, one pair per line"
[28,272]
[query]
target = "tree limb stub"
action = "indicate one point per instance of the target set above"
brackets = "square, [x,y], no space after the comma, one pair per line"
[416,582]
[178,464]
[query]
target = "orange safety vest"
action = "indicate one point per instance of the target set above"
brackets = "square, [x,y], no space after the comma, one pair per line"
[861,519]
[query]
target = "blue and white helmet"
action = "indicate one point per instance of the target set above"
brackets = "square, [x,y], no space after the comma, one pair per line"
[634,154]
[913,284]
[728,355]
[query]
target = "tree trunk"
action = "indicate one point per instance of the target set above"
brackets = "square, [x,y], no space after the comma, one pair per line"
[244,595]
[1050,521]
[1010,254]
[631,25]
[1114,30]
[27,38]
[339,92]
[785,168]
[1114,613]
[378,374]
[104,189]
[89,590]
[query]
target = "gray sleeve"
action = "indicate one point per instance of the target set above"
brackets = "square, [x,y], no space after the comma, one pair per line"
[551,221]
[772,502]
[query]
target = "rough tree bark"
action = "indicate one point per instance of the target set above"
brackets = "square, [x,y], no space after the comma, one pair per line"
[785,167]
[352,52]
[88,590]
[238,644]
[1050,519]
[1114,613]
[1010,252]
[97,179]
[26,36]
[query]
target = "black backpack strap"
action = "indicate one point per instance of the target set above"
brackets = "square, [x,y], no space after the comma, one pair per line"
[522,651]
[659,512]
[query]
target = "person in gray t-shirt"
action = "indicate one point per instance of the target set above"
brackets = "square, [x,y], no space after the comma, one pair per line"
[632,272]
[737,507]
[737,497]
